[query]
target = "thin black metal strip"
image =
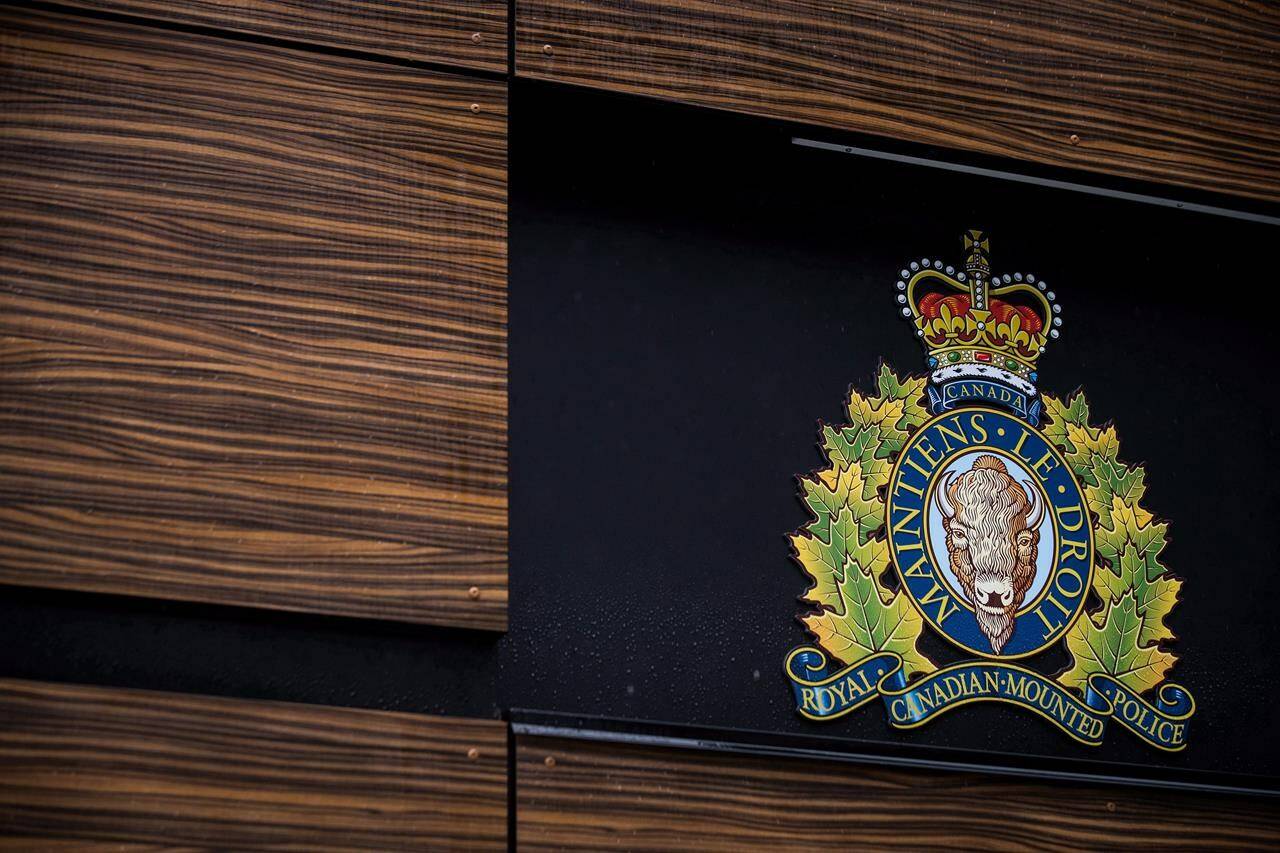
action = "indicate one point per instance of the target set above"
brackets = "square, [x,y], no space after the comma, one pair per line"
[1053,183]
[540,724]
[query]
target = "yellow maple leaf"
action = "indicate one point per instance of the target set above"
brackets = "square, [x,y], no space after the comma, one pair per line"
[870,620]
[841,550]
[1111,644]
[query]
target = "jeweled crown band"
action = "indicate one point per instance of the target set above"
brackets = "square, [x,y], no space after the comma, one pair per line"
[975,324]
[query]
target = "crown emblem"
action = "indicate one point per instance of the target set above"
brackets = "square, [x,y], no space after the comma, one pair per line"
[984,333]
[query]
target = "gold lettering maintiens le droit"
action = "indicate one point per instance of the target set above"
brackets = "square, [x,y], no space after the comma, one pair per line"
[945,437]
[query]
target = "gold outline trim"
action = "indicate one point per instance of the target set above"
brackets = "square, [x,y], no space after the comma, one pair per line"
[992,292]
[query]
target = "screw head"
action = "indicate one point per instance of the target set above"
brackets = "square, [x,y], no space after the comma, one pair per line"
[548,49]
[477,38]
[473,753]
[475,108]
[550,761]
[1075,139]
[474,592]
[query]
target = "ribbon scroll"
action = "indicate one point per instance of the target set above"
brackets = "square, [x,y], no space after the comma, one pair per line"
[823,694]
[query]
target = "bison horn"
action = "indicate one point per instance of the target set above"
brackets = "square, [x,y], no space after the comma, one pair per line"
[940,496]
[1035,506]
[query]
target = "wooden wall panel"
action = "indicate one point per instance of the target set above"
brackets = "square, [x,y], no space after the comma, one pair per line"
[466,33]
[582,795]
[252,325]
[81,764]
[1178,91]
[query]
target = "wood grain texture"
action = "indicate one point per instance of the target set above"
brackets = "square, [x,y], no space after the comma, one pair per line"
[1175,91]
[466,33]
[120,767]
[599,796]
[252,325]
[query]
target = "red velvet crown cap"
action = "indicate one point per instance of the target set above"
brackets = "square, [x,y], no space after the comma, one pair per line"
[958,304]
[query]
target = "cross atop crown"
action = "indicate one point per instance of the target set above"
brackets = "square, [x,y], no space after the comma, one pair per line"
[976,264]
[979,329]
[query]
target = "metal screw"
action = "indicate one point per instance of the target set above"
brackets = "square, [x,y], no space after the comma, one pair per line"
[473,753]
[475,108]
[550,761]
[474,592]
[548,49]
[477,38]
[1111,807]
[1075,139]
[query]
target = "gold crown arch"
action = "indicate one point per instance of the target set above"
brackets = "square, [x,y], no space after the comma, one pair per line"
[973,323]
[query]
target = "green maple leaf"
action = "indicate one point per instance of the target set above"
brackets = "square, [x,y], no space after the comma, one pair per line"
[1108,479]
[847,445]
[909,390]
[870,621]
[1111,644]
[882,412]
[893,388]
[840,550]
[1154,592]
[824,559]
[1076,412]
[1131,546]
[1086,444]
[1129,524]
[825,498]
[1137,590]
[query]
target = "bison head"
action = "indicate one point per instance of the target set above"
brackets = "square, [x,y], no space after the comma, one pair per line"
[992,526]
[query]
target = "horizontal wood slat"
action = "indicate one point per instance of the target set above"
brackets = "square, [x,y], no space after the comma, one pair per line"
[1175,91]
[466,33]
[252,325]
[88,764]
[581,795]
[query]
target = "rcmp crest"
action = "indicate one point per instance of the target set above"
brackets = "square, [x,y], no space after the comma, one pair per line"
[966,504]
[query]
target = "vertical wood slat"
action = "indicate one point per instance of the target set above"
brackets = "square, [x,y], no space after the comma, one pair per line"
[465,33]
[582,795]
[1182,92]
[252,325]
[121,767]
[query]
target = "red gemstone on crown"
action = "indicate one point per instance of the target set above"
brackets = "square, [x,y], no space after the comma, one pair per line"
[982,356]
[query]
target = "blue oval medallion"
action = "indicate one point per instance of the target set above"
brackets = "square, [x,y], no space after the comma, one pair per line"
[990,533]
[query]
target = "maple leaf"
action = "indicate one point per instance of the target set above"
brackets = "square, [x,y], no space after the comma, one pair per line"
[840,550]
[1060,414]
[870,621]
[846,445]
[1137,590]
[879,412]
[824,559]
[825,493]
[1131,546]
[1109,479]
[909,390]
[1155,594]
[1087,444]
[1110,643]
